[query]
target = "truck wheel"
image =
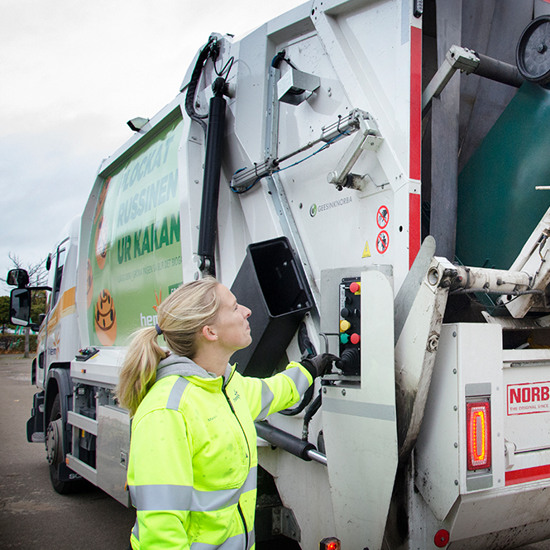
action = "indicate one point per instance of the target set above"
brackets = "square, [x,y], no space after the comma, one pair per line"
[55,454]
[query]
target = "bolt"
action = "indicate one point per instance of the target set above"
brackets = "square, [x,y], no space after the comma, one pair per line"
[456,481]
[433,341]
[343,392]
[541,48]
[433,276]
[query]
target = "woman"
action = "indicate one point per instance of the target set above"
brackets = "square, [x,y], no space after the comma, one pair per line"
[193,462]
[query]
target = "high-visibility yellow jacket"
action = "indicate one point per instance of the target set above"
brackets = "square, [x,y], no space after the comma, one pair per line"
[193,460]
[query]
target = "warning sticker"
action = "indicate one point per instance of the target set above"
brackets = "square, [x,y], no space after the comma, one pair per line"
[366,251]
[382,242]
[528,398]
[382,216]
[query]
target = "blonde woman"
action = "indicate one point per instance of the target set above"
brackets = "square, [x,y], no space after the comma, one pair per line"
[193,462]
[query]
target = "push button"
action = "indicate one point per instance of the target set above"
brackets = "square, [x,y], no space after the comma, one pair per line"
[344,325]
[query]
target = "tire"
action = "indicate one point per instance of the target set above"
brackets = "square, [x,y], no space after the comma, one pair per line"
[56,453]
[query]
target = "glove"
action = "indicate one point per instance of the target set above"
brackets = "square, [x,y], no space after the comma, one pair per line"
[318,364]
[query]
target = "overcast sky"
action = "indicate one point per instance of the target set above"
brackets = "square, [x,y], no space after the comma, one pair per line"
[72,73]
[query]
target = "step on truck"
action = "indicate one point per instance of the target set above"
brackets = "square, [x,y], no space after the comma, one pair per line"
[370,178]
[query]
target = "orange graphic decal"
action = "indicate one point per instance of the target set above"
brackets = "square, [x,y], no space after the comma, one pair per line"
[101,200]
[158,299]
[105,318]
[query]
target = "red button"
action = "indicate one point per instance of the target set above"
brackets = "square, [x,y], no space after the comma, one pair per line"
[355,287]
[354,338]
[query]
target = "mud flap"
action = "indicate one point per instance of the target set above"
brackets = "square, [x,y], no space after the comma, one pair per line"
[360,426]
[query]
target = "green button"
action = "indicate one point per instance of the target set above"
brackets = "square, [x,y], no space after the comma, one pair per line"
[344,338]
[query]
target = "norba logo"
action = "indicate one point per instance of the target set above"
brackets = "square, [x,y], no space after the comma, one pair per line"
[314,209]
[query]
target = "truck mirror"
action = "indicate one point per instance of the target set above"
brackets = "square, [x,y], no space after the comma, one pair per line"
[20,307]
[18,278]
[36,326]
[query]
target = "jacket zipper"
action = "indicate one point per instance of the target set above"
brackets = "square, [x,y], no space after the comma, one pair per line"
[224,387]
[224,390]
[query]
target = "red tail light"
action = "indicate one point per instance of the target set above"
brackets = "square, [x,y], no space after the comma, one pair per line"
[478,433]
[441,538]
[330,543]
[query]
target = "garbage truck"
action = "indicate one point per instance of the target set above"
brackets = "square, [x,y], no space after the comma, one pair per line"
[370,178]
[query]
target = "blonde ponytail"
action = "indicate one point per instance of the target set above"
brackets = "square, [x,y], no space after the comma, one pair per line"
[138,372]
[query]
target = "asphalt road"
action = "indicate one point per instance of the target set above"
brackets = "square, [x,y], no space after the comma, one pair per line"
[32,514]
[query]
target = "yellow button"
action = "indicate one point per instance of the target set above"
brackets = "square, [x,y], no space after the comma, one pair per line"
[344,325]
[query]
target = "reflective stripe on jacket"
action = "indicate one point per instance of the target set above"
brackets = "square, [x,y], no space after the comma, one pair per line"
[193,459]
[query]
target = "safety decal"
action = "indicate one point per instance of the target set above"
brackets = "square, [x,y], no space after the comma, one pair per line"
[382,242]
[382,216]
[366,251]
[527,475]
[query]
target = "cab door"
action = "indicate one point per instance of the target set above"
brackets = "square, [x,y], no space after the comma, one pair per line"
[48,345]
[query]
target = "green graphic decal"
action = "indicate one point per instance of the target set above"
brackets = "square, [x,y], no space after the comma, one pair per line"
[134,258]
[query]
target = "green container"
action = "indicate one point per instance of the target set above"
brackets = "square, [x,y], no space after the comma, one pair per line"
[498,206]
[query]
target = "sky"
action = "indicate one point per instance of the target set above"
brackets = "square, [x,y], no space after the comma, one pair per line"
[73,72]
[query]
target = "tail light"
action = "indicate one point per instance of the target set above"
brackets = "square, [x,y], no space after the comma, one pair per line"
[441,538]
[330,543]
[478,433]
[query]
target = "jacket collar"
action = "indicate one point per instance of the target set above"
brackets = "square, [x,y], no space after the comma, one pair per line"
[183,366]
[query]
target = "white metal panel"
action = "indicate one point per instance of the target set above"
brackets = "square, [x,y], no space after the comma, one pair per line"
[469,356]
[437,452]
[113,448]
[519,511]
[360,426]
[480,362]
[101,369]
[304,488]
[526,410]
[527,405]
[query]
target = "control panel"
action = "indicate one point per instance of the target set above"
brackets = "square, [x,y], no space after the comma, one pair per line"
[350,325]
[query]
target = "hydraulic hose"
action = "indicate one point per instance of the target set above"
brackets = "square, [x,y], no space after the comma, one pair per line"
[308,350]
[306,399]
[310,413]
[208,51]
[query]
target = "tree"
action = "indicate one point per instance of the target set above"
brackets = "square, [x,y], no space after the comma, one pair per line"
[38,276]
[4,312]
[38,304]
